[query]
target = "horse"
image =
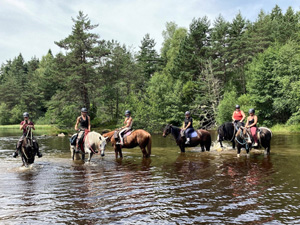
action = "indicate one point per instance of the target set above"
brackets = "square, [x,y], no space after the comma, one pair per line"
[227,131]
[264,136]
[93,142]
[203,138]
[138,137]
[28,151]
[243,139]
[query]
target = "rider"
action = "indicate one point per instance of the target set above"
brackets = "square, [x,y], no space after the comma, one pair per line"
[84,124]
[251,123]
[188,126]
[128,125]
[23,126]
[238,115]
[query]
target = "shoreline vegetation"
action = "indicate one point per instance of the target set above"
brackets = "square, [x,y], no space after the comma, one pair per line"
[53,130]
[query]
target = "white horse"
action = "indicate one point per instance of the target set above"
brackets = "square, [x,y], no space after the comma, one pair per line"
[94,142]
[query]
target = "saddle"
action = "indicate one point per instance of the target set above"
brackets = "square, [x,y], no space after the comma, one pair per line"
[124,135]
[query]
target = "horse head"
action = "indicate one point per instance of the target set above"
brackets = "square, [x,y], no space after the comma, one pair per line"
[220,133]
[167,130]
[102,144]
[244,136]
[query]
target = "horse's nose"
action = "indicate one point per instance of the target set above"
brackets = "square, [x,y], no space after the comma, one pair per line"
[164,135]
[102,154]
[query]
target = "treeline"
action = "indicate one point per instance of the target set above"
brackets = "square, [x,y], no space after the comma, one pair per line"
[206,69]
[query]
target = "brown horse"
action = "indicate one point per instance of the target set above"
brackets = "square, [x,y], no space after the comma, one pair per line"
[203,138]
[139,138]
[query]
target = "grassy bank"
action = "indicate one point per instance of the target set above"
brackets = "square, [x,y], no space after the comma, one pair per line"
[281,128]
[45,129]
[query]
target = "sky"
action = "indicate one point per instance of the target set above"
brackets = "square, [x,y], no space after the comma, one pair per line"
[30,27]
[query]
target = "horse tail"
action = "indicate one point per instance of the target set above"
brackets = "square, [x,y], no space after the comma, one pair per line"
[149,145]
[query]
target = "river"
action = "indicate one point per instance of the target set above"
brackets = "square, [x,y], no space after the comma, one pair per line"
[171,187]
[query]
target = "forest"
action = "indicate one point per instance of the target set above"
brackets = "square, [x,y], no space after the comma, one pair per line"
[206,68]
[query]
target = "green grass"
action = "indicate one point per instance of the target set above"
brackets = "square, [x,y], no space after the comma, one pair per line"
[47,129]
[281,128]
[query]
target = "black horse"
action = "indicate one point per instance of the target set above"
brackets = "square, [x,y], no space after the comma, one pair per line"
[264,136]
[203,138]
[28,151]
[226,132]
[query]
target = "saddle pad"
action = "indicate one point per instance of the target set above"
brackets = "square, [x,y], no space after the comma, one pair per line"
[194,134]
[127,133]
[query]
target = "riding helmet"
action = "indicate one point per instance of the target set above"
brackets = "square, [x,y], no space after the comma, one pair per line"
[25,114]
[237,106]
[127,112]
[84,110]
[187,113]
[251,111]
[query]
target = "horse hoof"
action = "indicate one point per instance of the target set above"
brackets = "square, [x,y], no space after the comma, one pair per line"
[102,155]
[238,155]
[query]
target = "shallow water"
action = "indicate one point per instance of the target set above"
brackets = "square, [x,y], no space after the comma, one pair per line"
[169,188]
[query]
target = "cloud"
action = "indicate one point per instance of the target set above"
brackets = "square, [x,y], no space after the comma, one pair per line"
[31,27]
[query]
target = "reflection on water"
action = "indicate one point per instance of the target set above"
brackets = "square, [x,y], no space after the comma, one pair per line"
[168,188]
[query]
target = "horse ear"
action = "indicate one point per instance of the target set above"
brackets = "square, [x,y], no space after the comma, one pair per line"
[106,138]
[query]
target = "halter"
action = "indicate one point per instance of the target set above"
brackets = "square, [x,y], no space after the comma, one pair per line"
[244,141]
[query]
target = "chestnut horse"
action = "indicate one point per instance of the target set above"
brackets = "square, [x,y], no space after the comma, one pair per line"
[203,138]
[139,138]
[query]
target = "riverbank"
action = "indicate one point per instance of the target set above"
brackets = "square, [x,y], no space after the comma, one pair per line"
[281,128]
[42,129]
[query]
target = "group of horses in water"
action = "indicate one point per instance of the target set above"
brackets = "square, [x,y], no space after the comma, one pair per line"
[95,143]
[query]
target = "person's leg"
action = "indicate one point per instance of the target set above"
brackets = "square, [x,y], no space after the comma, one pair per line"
[78,141]
[253,133]
[187,135]
[18,146]
[121,135]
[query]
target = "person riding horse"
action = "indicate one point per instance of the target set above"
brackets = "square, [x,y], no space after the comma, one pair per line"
[251,123]
[84,124]
[188,126]
[238,116]
[23,126]
[128,126]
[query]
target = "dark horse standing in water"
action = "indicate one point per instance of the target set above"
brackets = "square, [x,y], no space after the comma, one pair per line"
[203,138]
[139,138]
[27,151]
[226,132]
[244,139]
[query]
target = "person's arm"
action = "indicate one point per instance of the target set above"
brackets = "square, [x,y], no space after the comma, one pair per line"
[244,116]
[32,125]
[247,122]
[22,125]
[232,117]
[89,128]
[77,122]
[127,123]
[187,126]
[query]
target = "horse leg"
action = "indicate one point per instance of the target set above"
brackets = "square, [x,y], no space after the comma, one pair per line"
[120,152]
[221,144]
[238,151]
[233,145]
[90,156]
[202,147]
[83,156]
[144,152]
[207,146]
[182,148]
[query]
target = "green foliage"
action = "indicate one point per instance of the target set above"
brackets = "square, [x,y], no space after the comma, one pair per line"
[206,69]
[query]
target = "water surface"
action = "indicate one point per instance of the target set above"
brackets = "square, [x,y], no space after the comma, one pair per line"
[169,188]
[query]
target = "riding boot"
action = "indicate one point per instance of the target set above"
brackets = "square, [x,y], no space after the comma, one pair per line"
[15,154]
[18,148]
[187,141]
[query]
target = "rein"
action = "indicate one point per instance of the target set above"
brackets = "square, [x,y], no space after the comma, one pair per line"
[244,141]
[90,147]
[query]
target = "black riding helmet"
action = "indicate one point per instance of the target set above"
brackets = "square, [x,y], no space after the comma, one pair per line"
[237,106]
[187,113]
[84,110]
[25,114]
[127,112]
[251,111]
